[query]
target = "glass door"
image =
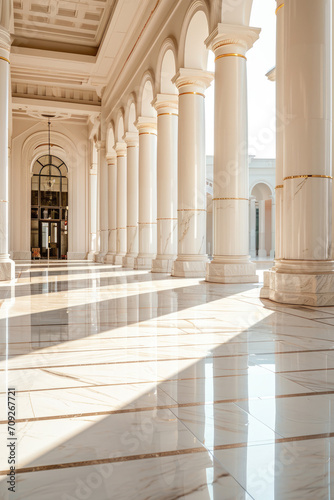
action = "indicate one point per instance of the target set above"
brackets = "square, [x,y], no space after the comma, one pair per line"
[49,239]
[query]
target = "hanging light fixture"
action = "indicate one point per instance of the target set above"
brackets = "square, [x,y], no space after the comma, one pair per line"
[49,183]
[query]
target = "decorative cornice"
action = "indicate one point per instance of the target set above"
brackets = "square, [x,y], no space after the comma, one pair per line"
[227,35]
[193,78]
[166,101]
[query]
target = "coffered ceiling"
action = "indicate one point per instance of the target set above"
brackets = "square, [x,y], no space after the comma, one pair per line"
[62,25]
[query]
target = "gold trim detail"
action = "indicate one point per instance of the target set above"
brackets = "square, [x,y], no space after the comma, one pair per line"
[4,59]
[146,223]
[192,210]
[3,201]
[133,146]
[118,228]
[237,199]
[279,187]
[120,156]
[307,177]
[131,227]
[170,114]
[167,218]
[279,8]
[148,133]
[193,93]
[230,55]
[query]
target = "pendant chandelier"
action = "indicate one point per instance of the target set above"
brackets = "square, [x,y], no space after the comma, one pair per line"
[49,183]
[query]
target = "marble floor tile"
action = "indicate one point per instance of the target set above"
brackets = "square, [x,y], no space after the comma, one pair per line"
[287,471]
[184,477]
[145,387]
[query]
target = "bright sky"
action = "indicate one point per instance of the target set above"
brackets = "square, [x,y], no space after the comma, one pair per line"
[261,91]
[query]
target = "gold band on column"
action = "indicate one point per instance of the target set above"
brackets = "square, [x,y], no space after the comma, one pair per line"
[148,133]
[308,177]
[222,199]
[193,93]
[4,59]
[279,7]
[279,187]
[230,55]
[169,114]
[3,201]
[192,210]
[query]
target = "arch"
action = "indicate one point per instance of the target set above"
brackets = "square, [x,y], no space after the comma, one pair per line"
[146,96]
[166,67]
[195,30]
[119,129]
[236,11]
[74,151]
[110,138]
[131,114]
[261,191]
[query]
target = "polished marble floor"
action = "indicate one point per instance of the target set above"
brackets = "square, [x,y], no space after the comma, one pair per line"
[133,386]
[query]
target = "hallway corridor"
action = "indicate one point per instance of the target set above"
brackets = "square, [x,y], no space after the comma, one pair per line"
[138,386]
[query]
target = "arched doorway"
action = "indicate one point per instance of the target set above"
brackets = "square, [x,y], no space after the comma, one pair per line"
[49,208]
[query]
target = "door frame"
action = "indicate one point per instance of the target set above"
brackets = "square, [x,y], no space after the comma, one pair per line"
[49,222]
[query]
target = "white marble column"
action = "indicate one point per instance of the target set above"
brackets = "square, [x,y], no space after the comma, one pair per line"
[306,273]
[147,225]
[121,203]
[280,128]
[192,258]
[7,267]
[273,232]
[112,208]
[103,192]
[167,108]
[252,218]
[92,210]
[262,229]
[231,260]
[132,143]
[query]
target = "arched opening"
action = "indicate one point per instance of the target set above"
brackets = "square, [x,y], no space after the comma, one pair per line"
[261,220]
[49,208]
[196,53]
[147,109]
[132,118]
[120,129]
[168,70]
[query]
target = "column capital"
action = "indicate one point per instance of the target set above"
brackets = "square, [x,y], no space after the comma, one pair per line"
[166,101]
[100,145]
[146,124]
[193,78]
[131,139]
[232,37]
[120,149]
[111,158]
[93,169]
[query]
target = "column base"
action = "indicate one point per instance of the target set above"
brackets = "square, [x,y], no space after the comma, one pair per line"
[298,289]
[99,257]
[190,268]
[7,270]
[118,260]
[109,258]
[144,263]
[163,265]
[220,271]
[129,262]
[91,256]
